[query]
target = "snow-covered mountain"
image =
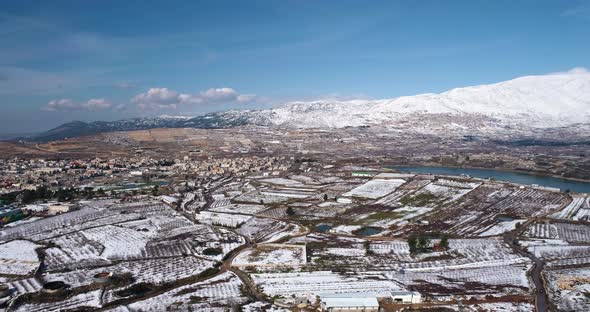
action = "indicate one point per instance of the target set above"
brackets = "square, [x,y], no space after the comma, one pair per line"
[540,101]
[554,100]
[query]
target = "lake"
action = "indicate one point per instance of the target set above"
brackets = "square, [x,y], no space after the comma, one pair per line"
[514,177]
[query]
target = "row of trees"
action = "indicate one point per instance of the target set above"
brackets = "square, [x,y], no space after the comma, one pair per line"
[43,193]
[422,243]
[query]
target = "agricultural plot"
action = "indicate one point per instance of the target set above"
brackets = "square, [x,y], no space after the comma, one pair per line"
[569,288]
[570,232]
[438,192]
[47,227]
[376,188]
[153,271]
[531,202]
[481,280]
[18,257]
[85,218]
[272,256]
[325,209]
[287,188]
[490,209]
[398,217]
[23,286]
[118,242]
[250,209]
[502,227]
[394,175]
[392,200]
[220,200]
[311,284]
[256,197]
[220,293]
[416,183]
[282,182]
[79,302]
[571,211]
[395,256]
[73,251]
[268,230]
[223,219]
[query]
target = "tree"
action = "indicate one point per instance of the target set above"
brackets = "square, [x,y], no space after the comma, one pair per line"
[61,195]
[325,197]
[89,192]
[423,243]
[290,211]
[444,242]
[413,244]
[367,246]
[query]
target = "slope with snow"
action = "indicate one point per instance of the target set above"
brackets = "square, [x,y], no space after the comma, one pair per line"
[548,101]
[559,99]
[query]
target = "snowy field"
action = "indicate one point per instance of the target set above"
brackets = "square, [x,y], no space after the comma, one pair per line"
[250,209]
[118,242]
[570,212]
[311,284]
[154,271]
[223,219]
[216,294]
[18,257]
[272,255]
[79,302]
[268,230]
[570,232]
[501,227]
[376,188]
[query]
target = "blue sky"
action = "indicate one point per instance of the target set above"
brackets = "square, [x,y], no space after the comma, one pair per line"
[90,60]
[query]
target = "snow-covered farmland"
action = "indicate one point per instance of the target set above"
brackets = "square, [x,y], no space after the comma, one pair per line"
[571,232]
[272,255]
[18,257]
[118,242]
[282,181]
[223,219]
[80,302]
[571,210]
[154,271]
[268,230]
[216,294]
[376,188]
[501,227]
[250,209]
[311,284]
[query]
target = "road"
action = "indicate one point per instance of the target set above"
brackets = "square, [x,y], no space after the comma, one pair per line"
[541,299]
[536,271]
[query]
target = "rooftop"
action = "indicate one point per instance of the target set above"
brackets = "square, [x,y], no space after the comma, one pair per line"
[350,302]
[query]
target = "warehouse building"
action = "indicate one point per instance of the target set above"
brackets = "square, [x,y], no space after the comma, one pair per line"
[350,304]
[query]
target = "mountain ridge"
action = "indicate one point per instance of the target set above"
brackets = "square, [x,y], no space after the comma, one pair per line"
[547,101]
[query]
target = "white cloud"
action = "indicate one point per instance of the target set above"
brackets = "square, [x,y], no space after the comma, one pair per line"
[97,104]
[167,99]
[63,105]
[573,71]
